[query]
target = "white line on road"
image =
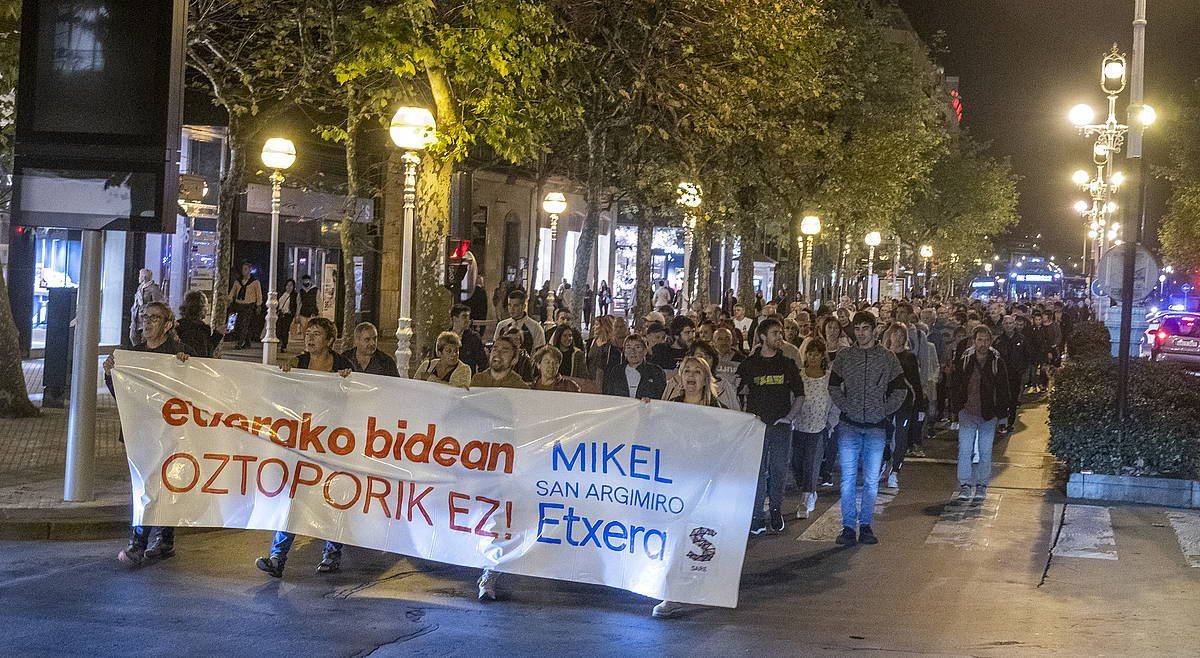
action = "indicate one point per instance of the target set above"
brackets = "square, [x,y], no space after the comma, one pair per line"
[1187,529]
[964,524]
[829,525]
[1086,532]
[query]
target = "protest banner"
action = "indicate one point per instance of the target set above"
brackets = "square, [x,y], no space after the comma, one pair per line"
[654,498]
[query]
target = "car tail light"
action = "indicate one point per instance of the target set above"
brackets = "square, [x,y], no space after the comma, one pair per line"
[1187,325]
[1162,336]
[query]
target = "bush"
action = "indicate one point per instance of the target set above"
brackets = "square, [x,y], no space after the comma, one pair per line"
[1089,341]
[1163,436]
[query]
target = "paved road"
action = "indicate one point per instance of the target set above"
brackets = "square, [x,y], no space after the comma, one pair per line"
[946,580]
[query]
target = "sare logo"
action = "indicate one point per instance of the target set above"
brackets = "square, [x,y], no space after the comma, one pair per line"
[700,540]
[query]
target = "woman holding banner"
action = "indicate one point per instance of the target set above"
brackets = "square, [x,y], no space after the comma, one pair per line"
[548,361]
[158,335]
[319,336]
[446,369]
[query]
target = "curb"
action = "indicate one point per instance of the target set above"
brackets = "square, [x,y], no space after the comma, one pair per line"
[102,522]
[1131,489]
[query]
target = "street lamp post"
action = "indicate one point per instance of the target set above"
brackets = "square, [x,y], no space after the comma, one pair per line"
[810,226]
[277,154]
[873,239]
[554,205]
[412,129]
[689,196]
[927,254]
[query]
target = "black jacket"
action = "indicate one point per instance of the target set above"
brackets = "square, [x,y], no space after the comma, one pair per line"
[993,383]
[653,384]
[380,363]
[1015,353]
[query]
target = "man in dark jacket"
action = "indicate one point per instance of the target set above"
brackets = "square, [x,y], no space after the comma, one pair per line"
[867,385]
[1015,354]
[365,354]
[635,378]
[979,394]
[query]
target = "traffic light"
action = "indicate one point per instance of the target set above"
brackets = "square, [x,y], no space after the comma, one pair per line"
[456,262]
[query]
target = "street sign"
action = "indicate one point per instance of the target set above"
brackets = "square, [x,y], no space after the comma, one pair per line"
[1145,272]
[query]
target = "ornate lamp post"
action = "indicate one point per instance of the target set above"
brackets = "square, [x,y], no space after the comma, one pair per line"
[412,129]
[689,196]
[873,239]
[554,204]
[927,254]
[810,227]
[277,154]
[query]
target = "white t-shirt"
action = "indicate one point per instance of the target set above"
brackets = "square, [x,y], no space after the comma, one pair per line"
[743,326]
[662,297]
[633,379]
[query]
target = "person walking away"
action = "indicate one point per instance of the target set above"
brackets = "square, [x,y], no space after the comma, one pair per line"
[979,393]
[148,543]
[472,351]
[770,381]
[308,301]
[446,368]
[548,361]
[1013,350]
[866,384]
[286,313]
[318,355]
[589,304]
[909,415]
[812,416]
[246,294]
[604,297]
[193,330]
[532,334]
[635,377]
[147,291]
[498,375]
[366,356]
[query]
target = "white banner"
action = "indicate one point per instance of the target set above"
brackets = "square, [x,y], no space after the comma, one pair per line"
[651,497]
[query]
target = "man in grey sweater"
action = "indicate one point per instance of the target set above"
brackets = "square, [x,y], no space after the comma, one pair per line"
[867,385]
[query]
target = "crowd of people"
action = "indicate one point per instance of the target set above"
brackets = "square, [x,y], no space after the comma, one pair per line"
[851,387]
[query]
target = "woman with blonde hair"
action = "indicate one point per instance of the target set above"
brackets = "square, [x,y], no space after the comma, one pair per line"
[446,368]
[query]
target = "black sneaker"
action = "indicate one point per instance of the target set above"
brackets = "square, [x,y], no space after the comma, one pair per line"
[159,550]
[847,538]
[330,562]
[273,566]
[132,556]
[866,535]
[776,521]
[758,526]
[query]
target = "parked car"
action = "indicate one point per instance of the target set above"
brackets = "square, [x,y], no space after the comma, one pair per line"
[1175,336]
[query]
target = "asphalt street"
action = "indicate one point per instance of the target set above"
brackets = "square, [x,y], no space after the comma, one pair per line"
[946,579]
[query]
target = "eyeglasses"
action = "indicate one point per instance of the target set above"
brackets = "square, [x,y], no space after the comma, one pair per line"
[153,319]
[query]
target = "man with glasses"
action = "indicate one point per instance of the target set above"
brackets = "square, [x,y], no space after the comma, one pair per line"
[148,543]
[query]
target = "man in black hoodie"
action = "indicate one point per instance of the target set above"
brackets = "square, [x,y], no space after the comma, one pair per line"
[867,385]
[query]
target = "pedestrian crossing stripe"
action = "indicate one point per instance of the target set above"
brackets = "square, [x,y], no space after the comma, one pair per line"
[964,524]
[1187,530]
[828,526]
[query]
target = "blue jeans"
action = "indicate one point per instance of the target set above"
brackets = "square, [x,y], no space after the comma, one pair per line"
[773,471]
[969,428]
[283,543]
[859,446]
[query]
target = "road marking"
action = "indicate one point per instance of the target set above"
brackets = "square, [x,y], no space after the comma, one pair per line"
[929,460]
[1086,532]
[829,525]
[1187,529]
[965,524]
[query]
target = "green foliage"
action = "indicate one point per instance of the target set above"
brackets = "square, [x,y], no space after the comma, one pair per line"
[1163,436]
[1180,230]
[1091,342]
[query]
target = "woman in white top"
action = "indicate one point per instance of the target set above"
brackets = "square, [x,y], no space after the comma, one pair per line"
[812,416]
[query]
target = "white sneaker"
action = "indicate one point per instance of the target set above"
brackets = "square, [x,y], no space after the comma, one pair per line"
[893,482]
[487,585]
[802,513]
[667,609]
[810,501]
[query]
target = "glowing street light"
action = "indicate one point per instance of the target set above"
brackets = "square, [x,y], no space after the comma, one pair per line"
[1081,177]
[1081,206]
[1081,115]
[810,227]
[413,129]
[278,154]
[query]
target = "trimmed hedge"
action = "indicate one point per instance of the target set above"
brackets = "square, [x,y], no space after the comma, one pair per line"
[1089,342]
[1163,439]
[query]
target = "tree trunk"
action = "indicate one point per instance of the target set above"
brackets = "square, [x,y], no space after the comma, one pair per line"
[227,208]
[746,269]
[591,225]
[351,236]
[727,264]
[702,256]
[643,290]
[14,397]
[430,299]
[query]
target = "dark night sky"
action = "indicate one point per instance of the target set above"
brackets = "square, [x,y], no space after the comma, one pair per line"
[1023,63]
